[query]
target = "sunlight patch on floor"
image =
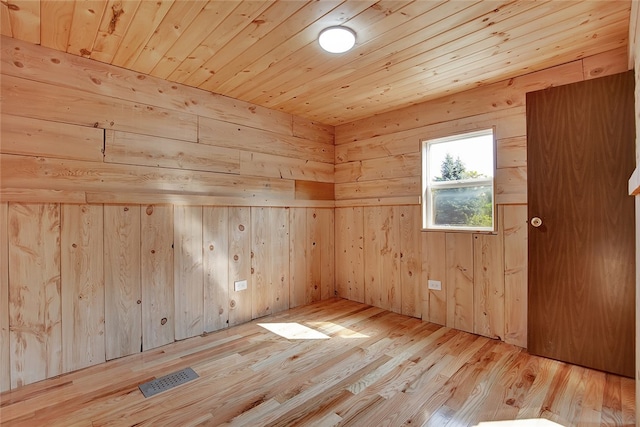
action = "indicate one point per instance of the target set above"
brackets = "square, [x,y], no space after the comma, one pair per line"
[338,330]
[294,331]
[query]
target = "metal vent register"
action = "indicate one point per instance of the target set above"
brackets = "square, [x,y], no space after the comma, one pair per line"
[167,382]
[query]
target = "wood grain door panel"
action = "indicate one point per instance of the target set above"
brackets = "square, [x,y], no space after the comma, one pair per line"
[580,154]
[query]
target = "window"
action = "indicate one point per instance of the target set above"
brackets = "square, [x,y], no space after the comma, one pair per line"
[457,182]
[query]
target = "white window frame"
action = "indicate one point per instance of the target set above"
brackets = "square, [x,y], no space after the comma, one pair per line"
[428,186]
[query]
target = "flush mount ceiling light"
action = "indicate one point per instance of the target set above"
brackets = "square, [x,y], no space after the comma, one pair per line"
[337,39]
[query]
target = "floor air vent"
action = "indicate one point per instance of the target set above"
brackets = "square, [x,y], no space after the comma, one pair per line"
[167,382]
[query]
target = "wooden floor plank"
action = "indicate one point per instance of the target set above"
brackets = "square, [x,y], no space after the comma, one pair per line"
[374,367]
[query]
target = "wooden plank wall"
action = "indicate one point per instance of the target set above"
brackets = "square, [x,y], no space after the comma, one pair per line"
[181,184]
[141,202]
[5,364]
[634,181]
[119,279]
[82,290]
[35,318]
[76,130]
[484,276]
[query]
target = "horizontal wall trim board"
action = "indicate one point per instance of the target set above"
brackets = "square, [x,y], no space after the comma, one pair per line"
[37,195]
[380,201]
[199,200]
[34,195]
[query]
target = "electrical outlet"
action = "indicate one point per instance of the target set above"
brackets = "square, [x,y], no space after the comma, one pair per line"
[435,285]
[240,285]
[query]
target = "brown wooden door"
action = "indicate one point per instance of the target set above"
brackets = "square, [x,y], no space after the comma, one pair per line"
[580,148]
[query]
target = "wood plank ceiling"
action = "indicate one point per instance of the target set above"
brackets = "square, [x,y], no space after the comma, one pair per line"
[266,52]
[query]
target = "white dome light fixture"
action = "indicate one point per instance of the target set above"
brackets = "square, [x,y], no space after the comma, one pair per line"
[337,39]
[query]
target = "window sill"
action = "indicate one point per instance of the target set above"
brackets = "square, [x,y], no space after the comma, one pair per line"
[454,230]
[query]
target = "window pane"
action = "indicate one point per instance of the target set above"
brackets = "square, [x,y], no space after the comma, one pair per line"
[466,206]
[465,158]
[458,182]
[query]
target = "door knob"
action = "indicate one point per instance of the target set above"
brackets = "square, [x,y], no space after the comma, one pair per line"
[536,222]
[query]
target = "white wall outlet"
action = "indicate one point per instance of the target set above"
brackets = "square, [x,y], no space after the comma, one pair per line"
[435,285]
[240,285]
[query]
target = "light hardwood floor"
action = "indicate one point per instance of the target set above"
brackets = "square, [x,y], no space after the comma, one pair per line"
[372,368]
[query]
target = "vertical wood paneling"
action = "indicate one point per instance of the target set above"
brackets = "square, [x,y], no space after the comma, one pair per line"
[312,248]
[349,255]
[410,259]
[314,256]
[515,226]
[328,249]
[434,302]
[488,285]
[390,251]
[459,277]
[372,257]
[187,271]
[260,262]
[82,290]
[215,231]
[123,299]
[239,264]
[270,260]
[5,368]
[279,248]
[298,256]
[320,251]
[382,258]
[34,292]
[156,272]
